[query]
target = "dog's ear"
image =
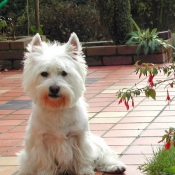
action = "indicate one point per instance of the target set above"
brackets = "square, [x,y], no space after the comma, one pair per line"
[73,45]
[36,41]
[73,40]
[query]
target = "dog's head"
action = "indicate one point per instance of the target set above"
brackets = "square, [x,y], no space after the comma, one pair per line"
[54,73]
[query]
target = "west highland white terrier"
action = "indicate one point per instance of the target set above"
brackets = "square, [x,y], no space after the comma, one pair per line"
[58,139]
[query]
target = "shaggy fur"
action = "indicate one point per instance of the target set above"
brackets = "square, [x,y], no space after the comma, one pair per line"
[58,139]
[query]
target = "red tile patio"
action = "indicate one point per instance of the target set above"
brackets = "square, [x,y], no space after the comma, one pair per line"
[132,133]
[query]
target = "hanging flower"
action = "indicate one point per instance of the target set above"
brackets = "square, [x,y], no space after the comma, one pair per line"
[150,80]
[120,101]
[168,98]
[126,104]
[167,145]
[132,102]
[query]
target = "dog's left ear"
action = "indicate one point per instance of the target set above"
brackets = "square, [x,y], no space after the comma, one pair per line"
[36,41]
[73,45]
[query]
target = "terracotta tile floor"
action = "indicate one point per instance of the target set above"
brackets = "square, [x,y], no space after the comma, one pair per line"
[131,133]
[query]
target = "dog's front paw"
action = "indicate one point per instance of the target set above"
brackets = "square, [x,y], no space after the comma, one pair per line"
[118,168]
[86,171]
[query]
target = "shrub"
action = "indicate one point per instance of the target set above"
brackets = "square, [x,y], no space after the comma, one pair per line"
[12,8]
[59,19]
[115,15]
[154,14]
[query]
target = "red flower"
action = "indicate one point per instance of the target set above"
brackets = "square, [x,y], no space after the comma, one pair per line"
[167,145]
[120,101]
[132,102]
[150,80]
[126,104]
[168,98]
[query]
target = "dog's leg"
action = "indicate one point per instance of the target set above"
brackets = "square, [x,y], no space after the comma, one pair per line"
[106,159]
[83,155]
[110,163]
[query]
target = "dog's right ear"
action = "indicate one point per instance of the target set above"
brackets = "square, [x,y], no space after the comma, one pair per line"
[36,41]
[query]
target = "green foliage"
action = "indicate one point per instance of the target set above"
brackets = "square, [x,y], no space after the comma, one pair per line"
[75,1]
[13,8]
[115,15]
[148,40]
[59,19]
[154,14]
[162,162]
[34,31]
[7,28]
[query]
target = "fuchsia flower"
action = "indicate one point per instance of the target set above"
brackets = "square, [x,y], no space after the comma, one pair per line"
[126,104]
[120,101]
[168,98]
[167,145]
[132,102]
[150,80]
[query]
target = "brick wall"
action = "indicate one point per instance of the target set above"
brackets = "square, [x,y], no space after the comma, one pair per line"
[12,52]
[123,55]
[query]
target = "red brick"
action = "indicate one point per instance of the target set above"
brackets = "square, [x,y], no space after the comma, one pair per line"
[91,61]
[4,45]
[125,50]
[11,55]
[117,60]
[20,43]
[155,58]
[101,50]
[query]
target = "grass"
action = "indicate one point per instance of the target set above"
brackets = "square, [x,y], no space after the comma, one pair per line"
[162,162]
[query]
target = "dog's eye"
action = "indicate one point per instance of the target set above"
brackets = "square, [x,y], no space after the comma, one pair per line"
[63,73]
[44,74]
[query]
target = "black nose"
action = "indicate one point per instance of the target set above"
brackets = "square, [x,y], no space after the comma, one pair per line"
[54,89]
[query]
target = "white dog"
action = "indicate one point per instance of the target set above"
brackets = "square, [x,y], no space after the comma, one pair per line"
[58,139]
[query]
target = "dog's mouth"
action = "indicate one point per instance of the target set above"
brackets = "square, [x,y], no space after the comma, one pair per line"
[54,96]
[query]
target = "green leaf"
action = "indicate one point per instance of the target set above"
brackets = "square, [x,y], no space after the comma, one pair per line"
[152,46]
[157,44]
[119,95]
[137,92]
[137,70]
[128,95]
[138,48]
[155,72]
[152,93]
[169,170]
[147,33]
[136,26]
[144,71]
[146,93]
[146,47]
[145,64]
[168,74]
[136,63]
[154,31]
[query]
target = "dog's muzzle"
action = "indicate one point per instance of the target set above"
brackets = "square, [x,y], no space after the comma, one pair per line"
[54,90]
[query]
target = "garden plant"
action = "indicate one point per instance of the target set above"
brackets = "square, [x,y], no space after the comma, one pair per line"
[115,15]
[162,162]
[146,39]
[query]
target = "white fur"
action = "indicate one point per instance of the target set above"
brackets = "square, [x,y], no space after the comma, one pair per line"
[57,138]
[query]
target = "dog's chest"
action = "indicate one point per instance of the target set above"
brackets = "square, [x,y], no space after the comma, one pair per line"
[58,138]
